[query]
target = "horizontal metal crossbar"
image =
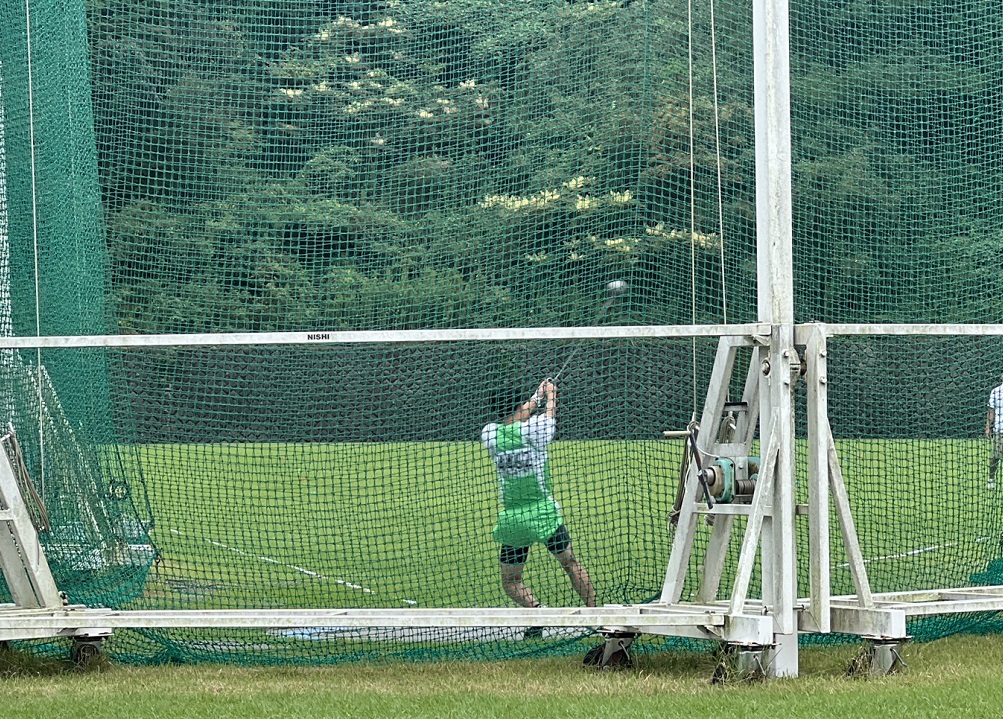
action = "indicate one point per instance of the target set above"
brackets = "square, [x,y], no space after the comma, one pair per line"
[887,618]
[943,330]
[935,601]
[485,334]
[633,616]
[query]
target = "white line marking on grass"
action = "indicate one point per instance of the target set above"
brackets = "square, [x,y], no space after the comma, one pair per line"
[914,552]
[301,570]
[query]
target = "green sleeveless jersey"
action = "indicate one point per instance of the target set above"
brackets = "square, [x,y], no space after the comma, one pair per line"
[519,450]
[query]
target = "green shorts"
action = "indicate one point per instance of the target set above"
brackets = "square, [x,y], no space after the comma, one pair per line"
[527,524]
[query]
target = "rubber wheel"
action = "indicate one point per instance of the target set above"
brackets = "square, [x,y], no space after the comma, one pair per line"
[593,655]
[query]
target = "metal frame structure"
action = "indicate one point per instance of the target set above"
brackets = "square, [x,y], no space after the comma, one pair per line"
[876,616]
[766,626]
[22,560]
[770,623]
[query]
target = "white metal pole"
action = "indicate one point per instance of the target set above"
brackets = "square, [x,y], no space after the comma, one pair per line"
[819,588]
[771,46]
[773,162]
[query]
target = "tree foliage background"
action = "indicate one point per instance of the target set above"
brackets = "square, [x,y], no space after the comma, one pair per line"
[398,164]
[301,165]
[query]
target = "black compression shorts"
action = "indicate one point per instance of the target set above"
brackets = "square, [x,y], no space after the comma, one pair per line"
[559,541]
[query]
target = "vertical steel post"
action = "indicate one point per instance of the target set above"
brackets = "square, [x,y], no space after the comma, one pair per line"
[819,588]
[771,47]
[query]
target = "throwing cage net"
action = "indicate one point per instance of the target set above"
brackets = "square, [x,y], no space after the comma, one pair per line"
[277,166]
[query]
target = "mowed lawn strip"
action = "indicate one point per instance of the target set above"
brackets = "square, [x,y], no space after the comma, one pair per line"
[952,677]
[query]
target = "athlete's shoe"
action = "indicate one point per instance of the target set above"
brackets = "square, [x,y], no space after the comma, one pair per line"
[991,485]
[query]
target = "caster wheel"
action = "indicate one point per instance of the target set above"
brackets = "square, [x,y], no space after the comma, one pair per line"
[611,654]
[619,659]
[85,654]
[593,656]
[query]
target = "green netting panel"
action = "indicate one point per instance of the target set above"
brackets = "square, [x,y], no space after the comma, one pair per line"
[908,415]
[897,160]
[56,245]
[353,477]
[293,165]
[221,166]
[290,165]
[97,544]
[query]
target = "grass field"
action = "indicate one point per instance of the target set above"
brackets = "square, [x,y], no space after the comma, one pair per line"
[408,524]
[391,525]
[957,677]
[411,522]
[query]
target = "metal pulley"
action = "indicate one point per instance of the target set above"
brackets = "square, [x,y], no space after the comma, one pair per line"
[731,479]
[722,479]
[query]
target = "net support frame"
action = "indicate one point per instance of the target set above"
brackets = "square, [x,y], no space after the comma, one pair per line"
[321,337]
[22,560]
[875,616]
[738,619]
[772,621]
